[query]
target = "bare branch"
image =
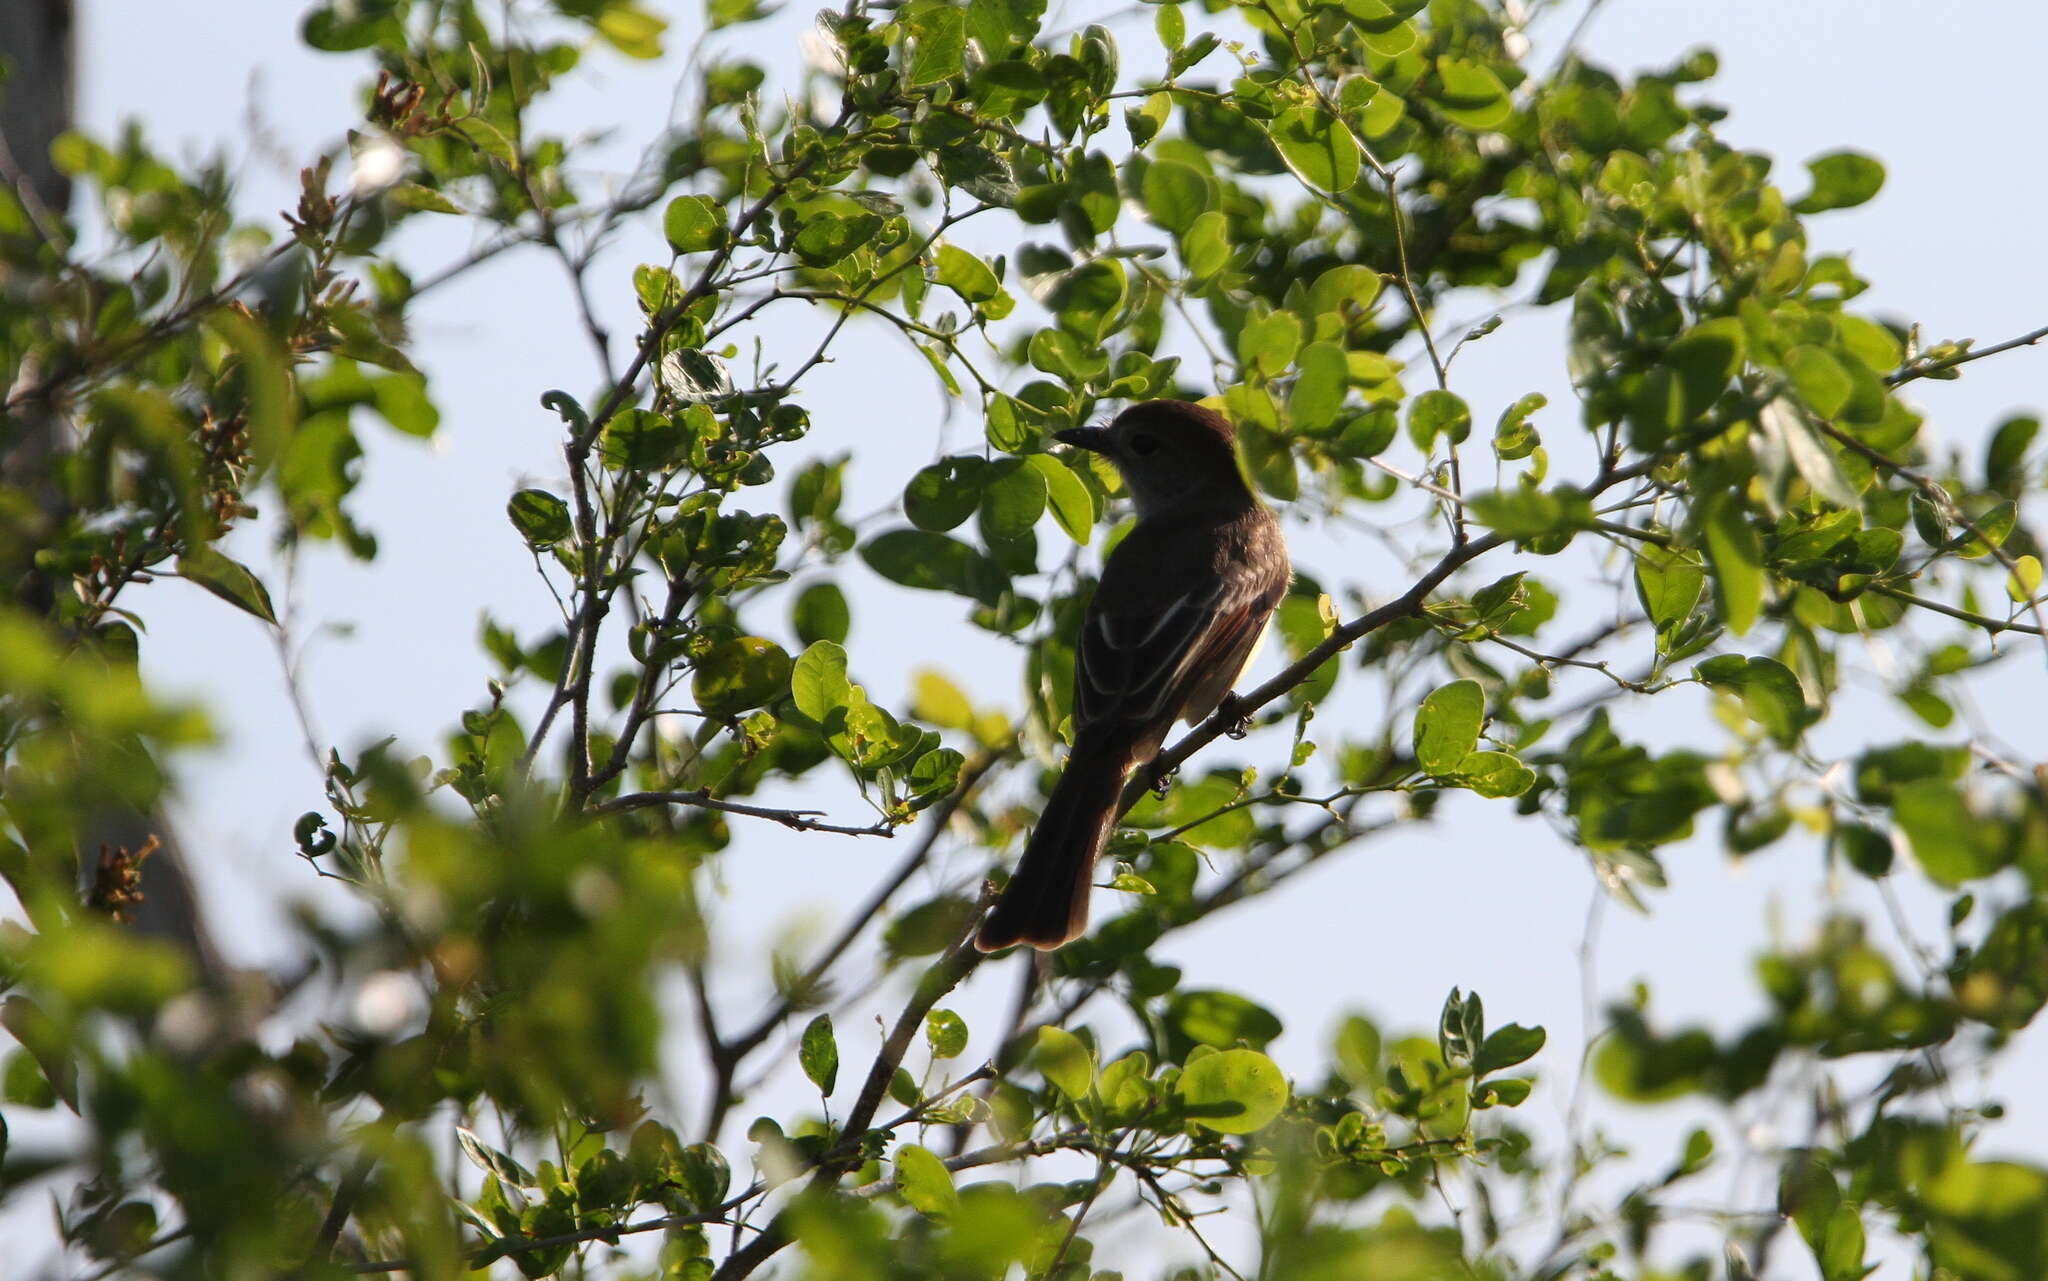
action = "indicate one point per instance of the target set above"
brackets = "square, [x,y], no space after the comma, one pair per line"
[795,820]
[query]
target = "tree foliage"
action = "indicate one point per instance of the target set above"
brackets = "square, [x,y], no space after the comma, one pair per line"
[1262,202]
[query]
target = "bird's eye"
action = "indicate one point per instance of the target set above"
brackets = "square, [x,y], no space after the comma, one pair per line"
[1142,444]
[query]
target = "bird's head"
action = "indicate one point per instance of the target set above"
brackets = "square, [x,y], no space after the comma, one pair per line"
[1168,451]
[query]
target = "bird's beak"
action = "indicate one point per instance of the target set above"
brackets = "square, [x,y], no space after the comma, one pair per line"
[1092,438]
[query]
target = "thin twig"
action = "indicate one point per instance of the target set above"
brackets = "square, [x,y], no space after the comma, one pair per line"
[939,818]
[1929,368]
[795,820]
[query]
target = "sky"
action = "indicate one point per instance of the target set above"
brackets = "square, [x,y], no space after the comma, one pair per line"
[1953,241]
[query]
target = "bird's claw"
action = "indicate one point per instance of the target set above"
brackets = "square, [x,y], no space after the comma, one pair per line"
[1162,781]
[1238,717]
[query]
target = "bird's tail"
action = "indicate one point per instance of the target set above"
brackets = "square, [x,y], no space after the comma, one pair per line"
[1046,902]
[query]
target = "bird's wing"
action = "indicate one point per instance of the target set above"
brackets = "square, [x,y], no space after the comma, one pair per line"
[1146,648]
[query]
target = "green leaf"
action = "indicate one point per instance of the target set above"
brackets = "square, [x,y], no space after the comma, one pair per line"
[924,1181]
[632,30]
[1473,95]
[1784,421]
[934,562]
[998,25]
[228,579]
[945,493]
[1505,1047]
[1145,120]
[1380,17]
[818,1054]
[2023,583]
[266,384]
[966,274]
[1369,433]
[1822,382]
[1507,1091]
[1009,89]
[541,518]
[940,702]
[1267,344]
[940,30]
[1493,774]
[946,1033]
[1233,1091]
[1011,501]
[817,683]
[1841,180]
[1668,583]
[1206,1016]
[1770,693]
[1841,1257]
[1513,437]
[932,926]
[1704,359]
[820,614]
[2007,450]
[1199,48]
[1073,507]
[693,224]
[1270,462]
[1206,248]
[1435,413]
[741,673]
[828,237]
[1347,291]
[1087,299]
[1176,194]
[1943,835]
[1736,556]
[933,775]
[1064,1061]
[1171,27]
[1319,150]
[1523,513]
[1447,725]
[1319,388]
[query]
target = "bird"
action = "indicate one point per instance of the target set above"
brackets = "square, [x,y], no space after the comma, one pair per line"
[1177,617]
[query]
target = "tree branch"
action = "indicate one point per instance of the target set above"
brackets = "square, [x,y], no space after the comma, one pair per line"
[795,820]
[1931,368]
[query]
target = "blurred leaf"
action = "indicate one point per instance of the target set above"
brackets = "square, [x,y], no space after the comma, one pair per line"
[1447,725]
[946,1033]
[923,1181]
[940,32]
[817,682]
[1841,180]
[541,518]
[820,613]
[1233,1091]
[1320,151]
[693,224]
[228,579]
[1507,1046]
[1437,413]
[934,562]
[1064,1061]
[1222,1019]
[945,493]
[739,674]
[818,1054]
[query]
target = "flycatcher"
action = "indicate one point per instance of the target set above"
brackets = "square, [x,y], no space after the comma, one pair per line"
[1177,618]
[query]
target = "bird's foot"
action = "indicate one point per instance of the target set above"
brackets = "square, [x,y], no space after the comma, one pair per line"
[1237,716]
[1162,781]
